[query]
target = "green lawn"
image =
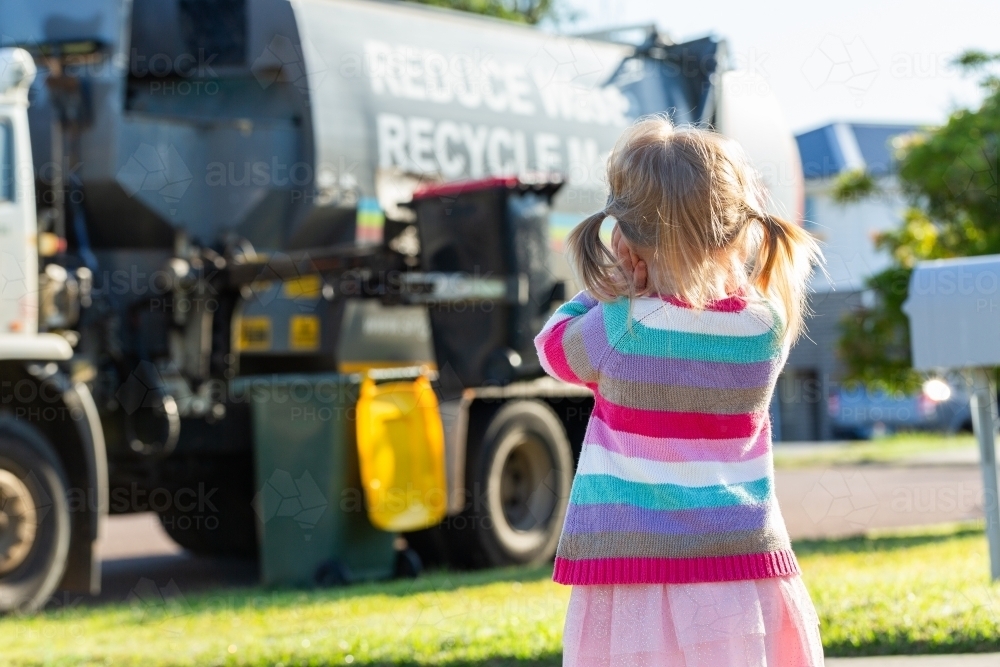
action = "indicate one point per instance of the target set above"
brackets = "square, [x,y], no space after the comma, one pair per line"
[925,591]
[919,592]
[890,449]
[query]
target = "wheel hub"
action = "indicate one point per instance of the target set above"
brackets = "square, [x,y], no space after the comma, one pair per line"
[17,522]
[527,502]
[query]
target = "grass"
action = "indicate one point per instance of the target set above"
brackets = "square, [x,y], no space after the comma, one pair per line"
[498,617]
[921,591]
[890,449]
[924,591]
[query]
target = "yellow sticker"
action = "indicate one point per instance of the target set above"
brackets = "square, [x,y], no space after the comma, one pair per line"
[349,367]
[303,332]
[255,333]
[306,286]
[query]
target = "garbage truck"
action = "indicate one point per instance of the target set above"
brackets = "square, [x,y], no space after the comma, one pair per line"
[197,193]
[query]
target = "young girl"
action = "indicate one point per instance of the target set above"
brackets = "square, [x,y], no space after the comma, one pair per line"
[673,542]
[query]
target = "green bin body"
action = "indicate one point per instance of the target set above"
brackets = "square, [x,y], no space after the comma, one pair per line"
[311,516]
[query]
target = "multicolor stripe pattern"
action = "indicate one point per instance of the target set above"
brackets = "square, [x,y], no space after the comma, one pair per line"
[675,483]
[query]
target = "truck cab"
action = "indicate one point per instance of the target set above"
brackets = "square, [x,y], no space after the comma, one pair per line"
[53,471]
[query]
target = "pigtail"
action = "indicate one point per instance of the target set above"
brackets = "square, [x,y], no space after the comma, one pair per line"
[784,260]
[594,262]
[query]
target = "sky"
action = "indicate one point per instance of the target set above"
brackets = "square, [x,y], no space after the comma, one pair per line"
[853,60]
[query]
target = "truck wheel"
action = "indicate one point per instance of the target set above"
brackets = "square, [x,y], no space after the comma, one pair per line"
[519,475]
[34,518]
[224,524]
[233,535]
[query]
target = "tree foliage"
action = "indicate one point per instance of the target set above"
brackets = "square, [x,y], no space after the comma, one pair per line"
[853,185]
[949,175]
[521,11]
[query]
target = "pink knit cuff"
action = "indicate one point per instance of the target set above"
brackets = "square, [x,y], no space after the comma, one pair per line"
[675,570]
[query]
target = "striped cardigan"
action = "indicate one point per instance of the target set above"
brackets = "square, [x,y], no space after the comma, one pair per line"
[675,482]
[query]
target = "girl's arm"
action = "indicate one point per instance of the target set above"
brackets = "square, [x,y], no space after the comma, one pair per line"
[572,342]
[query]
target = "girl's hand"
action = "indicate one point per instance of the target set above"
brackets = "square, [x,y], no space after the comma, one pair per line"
[633,266]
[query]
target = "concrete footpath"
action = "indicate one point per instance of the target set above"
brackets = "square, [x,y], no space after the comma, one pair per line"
[829,500]
[965,660]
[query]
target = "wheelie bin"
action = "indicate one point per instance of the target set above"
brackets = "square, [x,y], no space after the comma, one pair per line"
[343,463]
[313,526]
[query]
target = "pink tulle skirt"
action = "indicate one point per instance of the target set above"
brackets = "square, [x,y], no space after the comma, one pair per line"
[754,623]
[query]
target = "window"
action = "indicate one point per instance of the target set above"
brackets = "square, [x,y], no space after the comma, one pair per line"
[809,222]
[7,171]
[215,28]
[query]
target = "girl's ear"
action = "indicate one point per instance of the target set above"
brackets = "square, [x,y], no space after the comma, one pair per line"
[645,254]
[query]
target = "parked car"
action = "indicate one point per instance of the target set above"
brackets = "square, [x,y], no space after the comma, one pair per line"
[861,413]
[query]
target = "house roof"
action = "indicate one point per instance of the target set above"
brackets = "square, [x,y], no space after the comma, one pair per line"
[838,147]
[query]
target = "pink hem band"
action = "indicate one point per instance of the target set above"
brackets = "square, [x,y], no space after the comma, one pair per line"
[675,570]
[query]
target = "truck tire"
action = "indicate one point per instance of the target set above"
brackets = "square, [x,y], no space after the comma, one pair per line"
[225,525]
[34,518]
[519,476]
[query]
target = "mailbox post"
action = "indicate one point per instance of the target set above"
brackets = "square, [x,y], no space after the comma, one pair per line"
[954,312]
[984,420]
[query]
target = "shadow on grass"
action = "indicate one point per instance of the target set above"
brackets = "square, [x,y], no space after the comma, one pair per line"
[868,543]
[548,660]
[890,645]
[259,597]
[442,580]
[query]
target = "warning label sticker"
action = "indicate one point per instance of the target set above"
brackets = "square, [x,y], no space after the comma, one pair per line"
[303,333]
[255,334]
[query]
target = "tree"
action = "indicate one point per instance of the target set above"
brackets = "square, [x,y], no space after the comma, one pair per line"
[949,175]
[521,11]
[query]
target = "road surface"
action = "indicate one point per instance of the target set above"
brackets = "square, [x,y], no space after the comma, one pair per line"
[847,500]
[135,549]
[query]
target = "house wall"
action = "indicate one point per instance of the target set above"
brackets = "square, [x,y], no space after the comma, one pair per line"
[814,370]
[847,232]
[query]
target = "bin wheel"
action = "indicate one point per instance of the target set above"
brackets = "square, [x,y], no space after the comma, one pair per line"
[519,476]
[332,572]
[34,518]
[408,564]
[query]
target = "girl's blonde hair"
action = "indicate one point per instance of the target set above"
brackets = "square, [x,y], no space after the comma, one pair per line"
[692,200]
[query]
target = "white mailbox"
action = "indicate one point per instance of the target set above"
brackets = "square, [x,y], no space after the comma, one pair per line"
[954,311]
